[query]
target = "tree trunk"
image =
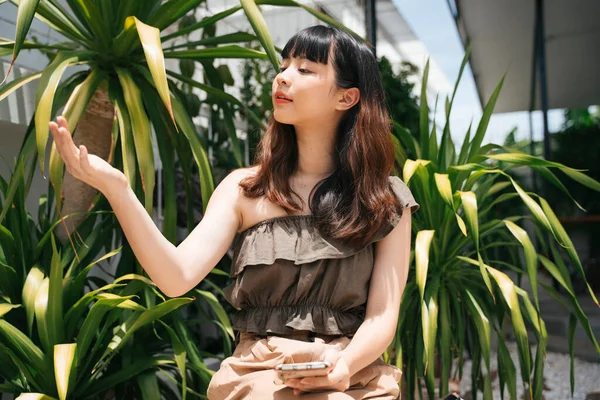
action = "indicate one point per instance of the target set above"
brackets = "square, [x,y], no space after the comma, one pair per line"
[94,131]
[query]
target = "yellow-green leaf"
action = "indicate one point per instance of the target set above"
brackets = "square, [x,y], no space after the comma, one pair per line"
[410,167]
[25,14]
[45,97]
[259,26]
[150,39]
[507,287]
[34,396]
[422,244]
[141,134]
[6,307]
[559,232]
[530,256]
[65,364]
[15,84]
[31,287]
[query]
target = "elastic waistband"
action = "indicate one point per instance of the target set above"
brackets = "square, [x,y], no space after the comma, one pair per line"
[305,336]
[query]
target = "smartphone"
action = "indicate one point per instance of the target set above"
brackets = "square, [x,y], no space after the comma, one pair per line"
[301,370]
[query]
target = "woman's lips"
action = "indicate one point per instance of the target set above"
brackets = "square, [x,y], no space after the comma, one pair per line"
[281,98]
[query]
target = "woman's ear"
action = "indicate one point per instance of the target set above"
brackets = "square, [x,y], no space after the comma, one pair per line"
[348,99]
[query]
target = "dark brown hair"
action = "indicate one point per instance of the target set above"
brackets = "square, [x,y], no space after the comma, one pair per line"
[353,202]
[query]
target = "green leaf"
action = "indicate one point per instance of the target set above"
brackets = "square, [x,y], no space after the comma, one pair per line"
[485,119]
[180,358]
[422,244]
[148,384]
[530,256]
[15,84]
[424,115]
[207,185]
[210,53]
[219,311]
[129,371]
[259,26]
[509,293]
[31,287]
[141,134]
[6,307]
[429,318]
[571,338]
[34,396]
[236,37]
[25,14]
[24,348]
[506,369]
[171,11]
[483,331]
[561,234]
[150,39]
[65,364]
[89,328]
[45,96]
[219,94]
[211,20]
[144,318]
[126,135]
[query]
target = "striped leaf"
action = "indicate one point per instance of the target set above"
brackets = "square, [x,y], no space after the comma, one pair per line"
[150,39]
[126,135]
[25,14]
[15,84]
[45,96]
[530,256]
[141,134]
[65,364]
[261,30]
[32,285]
[562,237]
[34,396]
[422,244]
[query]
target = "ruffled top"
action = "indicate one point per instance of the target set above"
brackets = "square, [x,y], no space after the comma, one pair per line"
[287,276]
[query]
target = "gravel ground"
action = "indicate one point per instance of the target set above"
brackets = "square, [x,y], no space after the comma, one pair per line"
[556,374]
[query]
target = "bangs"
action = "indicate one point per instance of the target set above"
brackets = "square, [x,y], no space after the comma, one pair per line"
[313,44]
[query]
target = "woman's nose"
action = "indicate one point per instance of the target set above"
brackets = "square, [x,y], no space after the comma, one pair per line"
[283,79]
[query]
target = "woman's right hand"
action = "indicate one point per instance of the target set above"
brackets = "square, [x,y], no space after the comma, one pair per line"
[88,168]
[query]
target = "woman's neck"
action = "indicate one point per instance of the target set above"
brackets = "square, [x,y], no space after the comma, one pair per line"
[316,147]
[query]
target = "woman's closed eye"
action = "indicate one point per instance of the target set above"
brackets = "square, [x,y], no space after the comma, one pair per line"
[301,70]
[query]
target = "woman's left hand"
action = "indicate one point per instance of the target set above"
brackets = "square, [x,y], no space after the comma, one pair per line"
[338,379]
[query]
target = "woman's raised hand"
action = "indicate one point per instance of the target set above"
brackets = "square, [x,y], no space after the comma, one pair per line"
[88,168]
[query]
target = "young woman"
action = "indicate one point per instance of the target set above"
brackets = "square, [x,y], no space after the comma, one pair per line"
[323,231]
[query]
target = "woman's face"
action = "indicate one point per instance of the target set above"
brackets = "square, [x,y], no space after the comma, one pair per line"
[304,91]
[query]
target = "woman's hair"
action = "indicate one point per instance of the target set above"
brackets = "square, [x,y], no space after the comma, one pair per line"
[356,199]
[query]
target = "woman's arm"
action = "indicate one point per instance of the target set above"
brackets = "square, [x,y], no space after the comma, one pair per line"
[390,271]
[175,270]
[374,335]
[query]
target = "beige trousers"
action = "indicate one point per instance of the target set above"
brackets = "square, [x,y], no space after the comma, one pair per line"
[249,373]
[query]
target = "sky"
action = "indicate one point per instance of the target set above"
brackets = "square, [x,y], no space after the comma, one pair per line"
[433,23]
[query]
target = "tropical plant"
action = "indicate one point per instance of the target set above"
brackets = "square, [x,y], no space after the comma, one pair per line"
[121,43]
[65,333]
[458,294]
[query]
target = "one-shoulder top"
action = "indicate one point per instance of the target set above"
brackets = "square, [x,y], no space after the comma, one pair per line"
[288,277]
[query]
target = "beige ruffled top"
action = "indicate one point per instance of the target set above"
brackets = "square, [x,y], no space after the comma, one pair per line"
[287,276]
